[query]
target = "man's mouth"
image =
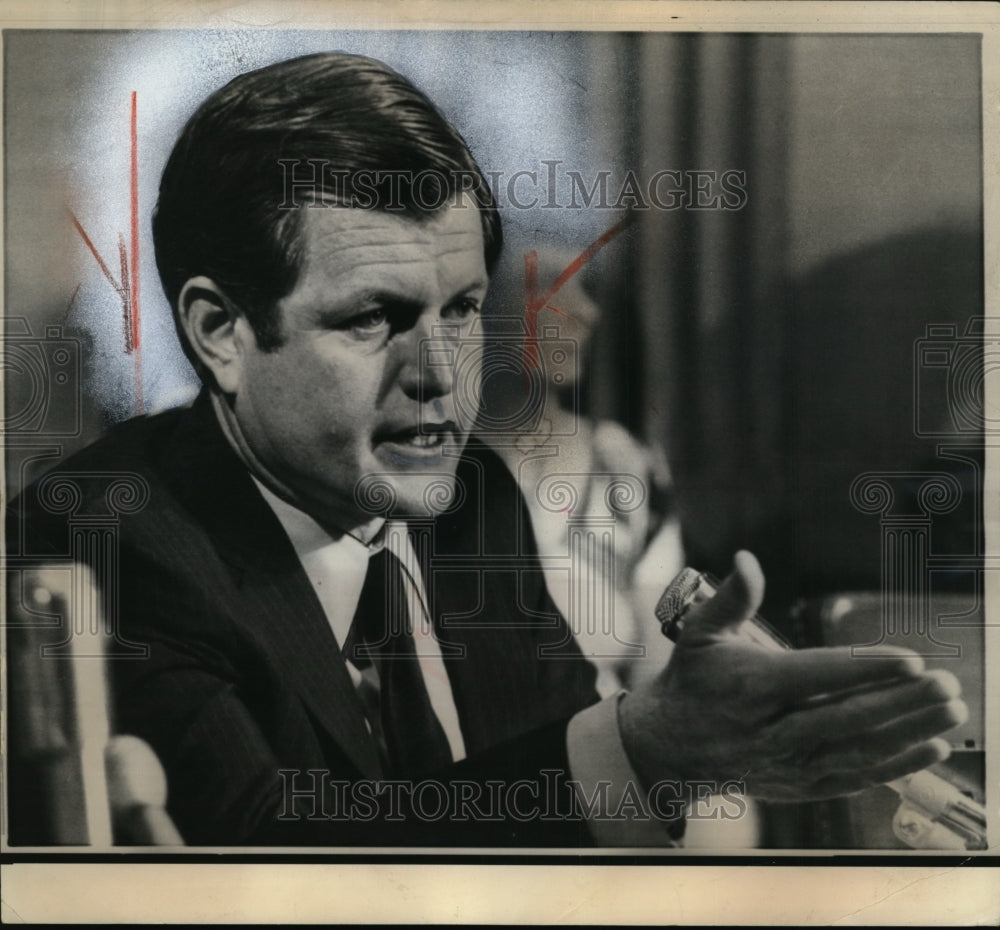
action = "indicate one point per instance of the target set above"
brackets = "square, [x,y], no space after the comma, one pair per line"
[424,436]
[425,440]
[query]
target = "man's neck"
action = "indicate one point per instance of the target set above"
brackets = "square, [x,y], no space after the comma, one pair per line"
[334,524]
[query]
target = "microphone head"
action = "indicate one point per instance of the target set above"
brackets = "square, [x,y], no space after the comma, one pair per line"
[135,776]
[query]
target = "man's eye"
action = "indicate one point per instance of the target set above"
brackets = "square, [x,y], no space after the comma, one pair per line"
[371,321]
[461,309]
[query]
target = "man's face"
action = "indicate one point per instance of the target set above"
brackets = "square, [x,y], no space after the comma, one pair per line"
[350,392]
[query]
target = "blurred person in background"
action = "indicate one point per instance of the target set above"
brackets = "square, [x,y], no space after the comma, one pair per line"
[601,501]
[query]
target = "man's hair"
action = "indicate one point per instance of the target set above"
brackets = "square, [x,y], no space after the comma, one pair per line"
[222,209]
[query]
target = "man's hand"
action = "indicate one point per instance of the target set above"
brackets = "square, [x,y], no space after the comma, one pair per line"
[792,725]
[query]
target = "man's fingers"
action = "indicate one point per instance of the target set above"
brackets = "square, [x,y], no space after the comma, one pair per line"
[871,709]
[914,759]
[918,727]
[802,674]
[850,738]
[837,784]
[877,746]
[737,599]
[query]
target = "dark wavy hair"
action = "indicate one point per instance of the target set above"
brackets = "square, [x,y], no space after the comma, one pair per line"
[221,210]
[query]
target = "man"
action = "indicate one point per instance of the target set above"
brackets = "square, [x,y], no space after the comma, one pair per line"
[347,632]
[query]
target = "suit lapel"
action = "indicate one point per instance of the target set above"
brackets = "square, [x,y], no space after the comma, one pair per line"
[274,601]
[488,653]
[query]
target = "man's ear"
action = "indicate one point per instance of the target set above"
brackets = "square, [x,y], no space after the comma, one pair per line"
[215,328]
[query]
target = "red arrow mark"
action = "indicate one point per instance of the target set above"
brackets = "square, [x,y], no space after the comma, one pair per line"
[127,285]
[533,303]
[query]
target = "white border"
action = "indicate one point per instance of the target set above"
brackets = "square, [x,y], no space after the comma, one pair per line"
[745,894]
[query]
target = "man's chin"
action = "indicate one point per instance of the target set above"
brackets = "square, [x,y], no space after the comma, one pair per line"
[405,496]
[413,492]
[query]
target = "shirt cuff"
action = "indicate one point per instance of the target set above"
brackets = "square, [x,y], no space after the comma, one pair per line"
[618,810]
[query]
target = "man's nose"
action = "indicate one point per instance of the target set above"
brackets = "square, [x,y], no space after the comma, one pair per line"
[429,369]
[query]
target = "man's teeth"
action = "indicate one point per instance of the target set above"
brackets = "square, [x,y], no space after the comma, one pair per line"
[426,440]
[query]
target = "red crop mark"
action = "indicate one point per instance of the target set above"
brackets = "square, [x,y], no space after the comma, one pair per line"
[121,287]
[127,284]
[533,303]
[134,192]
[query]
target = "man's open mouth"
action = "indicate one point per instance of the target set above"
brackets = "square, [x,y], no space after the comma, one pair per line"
[424,436]
[427,440]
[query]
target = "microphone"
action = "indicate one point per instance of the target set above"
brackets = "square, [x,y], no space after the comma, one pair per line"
[69,782]
[137,792]
[58,708]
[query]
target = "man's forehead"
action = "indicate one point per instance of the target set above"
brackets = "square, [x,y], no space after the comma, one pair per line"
[347,237]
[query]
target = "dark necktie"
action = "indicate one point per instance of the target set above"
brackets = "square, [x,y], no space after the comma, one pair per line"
[410,736]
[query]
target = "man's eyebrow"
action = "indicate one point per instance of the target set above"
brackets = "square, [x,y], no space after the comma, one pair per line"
[387,295]
[480,284]
[389,298]
[380,297]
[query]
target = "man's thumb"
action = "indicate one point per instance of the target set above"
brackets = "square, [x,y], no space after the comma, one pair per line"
[738,598]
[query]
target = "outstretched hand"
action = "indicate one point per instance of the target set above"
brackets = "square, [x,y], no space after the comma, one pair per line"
[791,725]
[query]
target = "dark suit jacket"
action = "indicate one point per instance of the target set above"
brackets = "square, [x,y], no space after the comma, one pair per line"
[244,678]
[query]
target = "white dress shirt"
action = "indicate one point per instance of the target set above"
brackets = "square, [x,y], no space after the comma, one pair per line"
[337,569]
